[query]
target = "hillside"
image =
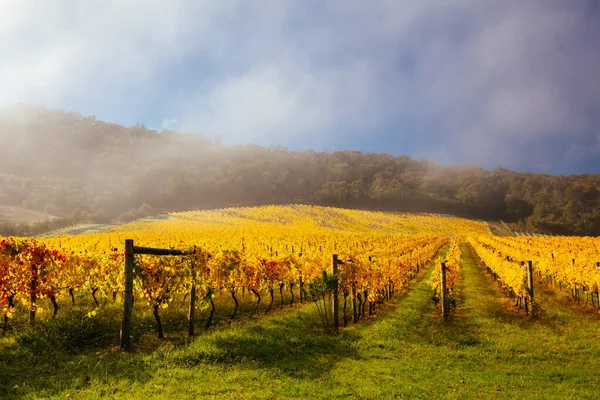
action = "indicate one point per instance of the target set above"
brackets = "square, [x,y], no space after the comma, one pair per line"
[9,214]
[82,169]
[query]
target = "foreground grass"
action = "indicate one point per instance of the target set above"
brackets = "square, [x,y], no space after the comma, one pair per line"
[488,350]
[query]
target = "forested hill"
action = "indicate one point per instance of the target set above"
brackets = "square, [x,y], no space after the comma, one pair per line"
[69,165]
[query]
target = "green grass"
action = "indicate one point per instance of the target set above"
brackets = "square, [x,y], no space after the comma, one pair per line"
[78,229]
[489,349]
[499,229]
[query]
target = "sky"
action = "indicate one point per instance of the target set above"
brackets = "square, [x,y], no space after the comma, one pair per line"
[495,83]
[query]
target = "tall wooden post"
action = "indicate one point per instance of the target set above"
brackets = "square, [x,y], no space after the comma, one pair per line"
[33,297]
[354,304]
[192,311]
[530,279]
[334,271]
[127,297]
[444,292]
[574,290]
[598,292]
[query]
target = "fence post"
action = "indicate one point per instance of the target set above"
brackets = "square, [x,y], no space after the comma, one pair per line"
[192,311]
[444,292]
[598,292]
[354,305]
[530,279]
[127,297]
[33,297]
[334,271]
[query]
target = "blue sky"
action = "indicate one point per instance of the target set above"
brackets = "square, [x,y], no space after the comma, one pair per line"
[512,83]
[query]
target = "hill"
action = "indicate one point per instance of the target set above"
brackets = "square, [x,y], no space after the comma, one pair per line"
[9,214]
[82,169]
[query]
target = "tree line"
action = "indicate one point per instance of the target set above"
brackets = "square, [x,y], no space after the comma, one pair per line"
[82,169]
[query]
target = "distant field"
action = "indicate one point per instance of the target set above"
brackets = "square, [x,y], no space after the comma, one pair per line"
[89,228]
[499,229]
[79,229]
[10,214]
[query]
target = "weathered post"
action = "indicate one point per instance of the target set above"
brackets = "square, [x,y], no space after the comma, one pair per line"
[127,297]
[574,290]
[334,271]
[598,292]
[444,292]
[192,310]
[530,280]
[354,304]
[33,299]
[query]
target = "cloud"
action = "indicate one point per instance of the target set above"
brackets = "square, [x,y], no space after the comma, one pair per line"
[272,102]
[493,77]
[577,152]
[51,50]
[525,75]
[169,123]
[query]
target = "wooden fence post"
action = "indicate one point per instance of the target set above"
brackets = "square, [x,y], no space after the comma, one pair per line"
[334,271]
[444,292]
[127,297]
[33,297]
[598,292]
[530,279]
[354,305]
[192,311]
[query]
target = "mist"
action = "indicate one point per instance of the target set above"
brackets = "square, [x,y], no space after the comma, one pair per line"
[78,168]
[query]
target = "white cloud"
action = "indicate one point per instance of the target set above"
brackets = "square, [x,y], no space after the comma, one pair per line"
[169,123]
[50,49]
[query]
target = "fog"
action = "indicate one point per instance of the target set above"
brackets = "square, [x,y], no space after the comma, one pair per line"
[82,169]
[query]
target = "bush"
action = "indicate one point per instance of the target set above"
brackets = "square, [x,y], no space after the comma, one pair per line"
[320,291]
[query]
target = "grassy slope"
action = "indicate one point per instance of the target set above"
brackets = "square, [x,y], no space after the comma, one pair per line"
[18,215]
[498,229]
[87,228]
[486,351]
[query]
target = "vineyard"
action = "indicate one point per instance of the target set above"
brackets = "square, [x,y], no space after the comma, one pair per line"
[567,262]
[264,251]
[248,263]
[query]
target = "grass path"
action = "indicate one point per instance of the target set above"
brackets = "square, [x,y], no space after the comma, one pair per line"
[555,356]
[487,350]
